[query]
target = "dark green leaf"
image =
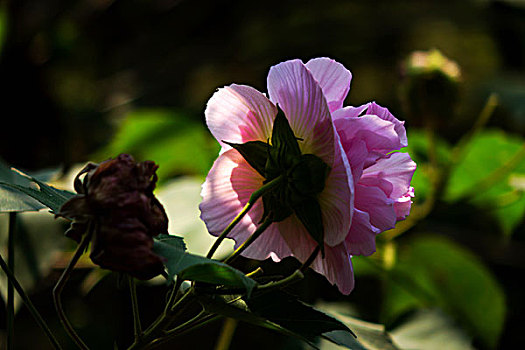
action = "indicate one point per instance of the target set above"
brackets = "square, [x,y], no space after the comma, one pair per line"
[434,271]
[235,307]
[254,152]
[198,268]
[308,211]
[16,186]
[299,318]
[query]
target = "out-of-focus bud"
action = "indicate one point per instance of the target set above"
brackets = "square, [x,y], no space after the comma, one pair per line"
[430,88]
[116,199]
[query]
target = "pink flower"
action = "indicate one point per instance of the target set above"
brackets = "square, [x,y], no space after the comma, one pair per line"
[356,143]
[238,114]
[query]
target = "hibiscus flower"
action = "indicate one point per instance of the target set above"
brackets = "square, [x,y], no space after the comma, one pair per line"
[311,96]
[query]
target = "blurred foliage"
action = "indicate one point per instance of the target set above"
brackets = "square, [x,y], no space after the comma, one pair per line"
[89,79]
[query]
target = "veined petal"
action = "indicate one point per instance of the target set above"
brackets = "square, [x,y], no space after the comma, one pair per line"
[374,201]
[361,239]
[240,113]
[350,112]
[397,170]
[378,134]
[301,98]
[336,266]
[333,78]
[337,199]
[385,114]
[227,188]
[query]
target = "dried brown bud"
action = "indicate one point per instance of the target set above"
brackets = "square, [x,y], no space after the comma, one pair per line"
[117,197]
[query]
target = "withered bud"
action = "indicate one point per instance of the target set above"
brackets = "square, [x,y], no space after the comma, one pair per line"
[117,197]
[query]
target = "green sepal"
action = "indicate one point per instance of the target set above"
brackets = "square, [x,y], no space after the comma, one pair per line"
[308,211]
[285,148]
[254,152]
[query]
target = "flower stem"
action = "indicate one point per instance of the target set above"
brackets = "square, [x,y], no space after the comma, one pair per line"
[57,291]
[10,292]
[226,335]
[11,277]
[253,198]
[137,327]
[249,241]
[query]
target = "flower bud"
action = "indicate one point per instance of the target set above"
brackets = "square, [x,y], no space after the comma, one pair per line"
[429,90]
[116,198]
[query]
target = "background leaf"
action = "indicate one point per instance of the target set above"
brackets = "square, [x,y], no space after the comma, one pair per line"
[432,270]
[178,143]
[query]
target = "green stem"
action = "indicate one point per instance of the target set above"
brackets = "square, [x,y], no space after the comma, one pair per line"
[226,335]
[249,241]
[57,291]
[11,277]
[137,327]
[253,198]
[10,290]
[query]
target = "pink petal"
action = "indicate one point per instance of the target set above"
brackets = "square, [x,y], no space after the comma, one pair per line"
[397,170]
[227,189]
[378,134]
[350,112]
[239,113]
[300,97]
[361,239]
[403,204]
[374,201]
[385,114]
[336,266]
[333,78]
[337,199]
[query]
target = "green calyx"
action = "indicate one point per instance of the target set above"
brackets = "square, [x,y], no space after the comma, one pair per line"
[302,177]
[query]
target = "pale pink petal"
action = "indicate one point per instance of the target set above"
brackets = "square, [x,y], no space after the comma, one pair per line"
[385,114]
[336,266]
[361,239]
[350,112]
[397,170]
[357,154]
[239,113]
[333,78]
[292,86]
[337,199]
[374,201]
[228,186]
[402,205]
[378,134]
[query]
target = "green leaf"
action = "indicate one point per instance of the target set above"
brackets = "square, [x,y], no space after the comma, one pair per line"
[198,268]
[434,271]
[15,187]
[254,152]
[300,318]
[178,142]
[285,314]
[235,307]
[485,176]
